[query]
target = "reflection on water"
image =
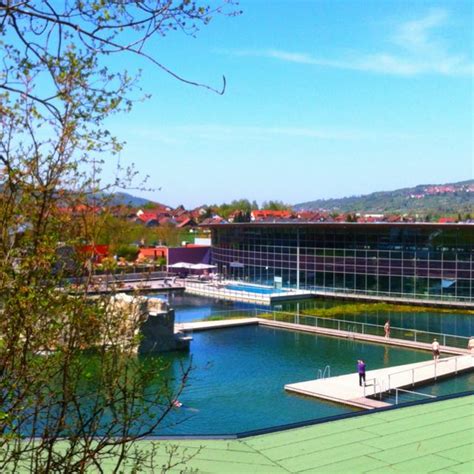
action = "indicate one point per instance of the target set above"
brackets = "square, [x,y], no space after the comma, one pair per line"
[192,308]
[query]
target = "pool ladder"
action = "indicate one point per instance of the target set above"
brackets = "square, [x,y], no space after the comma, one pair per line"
[324,373]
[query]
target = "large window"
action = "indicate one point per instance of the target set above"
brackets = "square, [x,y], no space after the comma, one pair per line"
[406,261]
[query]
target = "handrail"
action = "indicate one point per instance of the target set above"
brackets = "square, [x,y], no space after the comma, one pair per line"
[410,391]
[429,364]
[368,385]
[322,372]
[356,324]
[207,289]
[353,326]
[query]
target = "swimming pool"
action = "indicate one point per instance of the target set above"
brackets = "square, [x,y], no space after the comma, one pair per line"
[254,289]
[239,374]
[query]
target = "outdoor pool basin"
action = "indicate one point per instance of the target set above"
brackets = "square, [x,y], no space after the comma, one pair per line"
[239,373]
[261,290]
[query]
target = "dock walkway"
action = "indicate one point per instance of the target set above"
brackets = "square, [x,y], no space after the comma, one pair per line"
[219,324]
[345,389]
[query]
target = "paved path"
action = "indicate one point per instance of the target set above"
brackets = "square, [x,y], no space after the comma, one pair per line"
[345,389]
[432,437]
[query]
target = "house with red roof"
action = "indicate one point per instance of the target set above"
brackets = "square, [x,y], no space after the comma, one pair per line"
[267,214]
[96,253]
[152,254]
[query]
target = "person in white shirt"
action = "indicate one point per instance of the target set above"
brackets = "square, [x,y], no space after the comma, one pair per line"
[435,348]
[470,345]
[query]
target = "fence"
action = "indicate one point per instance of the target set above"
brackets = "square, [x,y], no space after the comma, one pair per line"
[354,327]
[458,300]
[433,370]
[411,392]
[220,291]
[109,278]
[415,335]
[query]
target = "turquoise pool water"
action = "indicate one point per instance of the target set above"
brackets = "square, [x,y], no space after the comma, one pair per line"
[254,289]
[239,374]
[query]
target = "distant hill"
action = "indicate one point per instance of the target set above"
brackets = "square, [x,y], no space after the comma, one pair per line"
[448,198]
[126,199]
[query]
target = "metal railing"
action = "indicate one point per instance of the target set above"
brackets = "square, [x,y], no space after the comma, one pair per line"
[350,327]
[324,373]
[356,327]
[112,278]
[397,390]
[457,363]
[397,296]
[374,384]
[221,291]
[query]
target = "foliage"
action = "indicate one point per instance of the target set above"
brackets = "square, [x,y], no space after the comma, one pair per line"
[128,252]
[61,410]
[276,206]
[170,235]
[226,209]
[245,207]
[356,309]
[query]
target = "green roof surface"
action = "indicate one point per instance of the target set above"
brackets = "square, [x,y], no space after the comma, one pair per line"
[431,437]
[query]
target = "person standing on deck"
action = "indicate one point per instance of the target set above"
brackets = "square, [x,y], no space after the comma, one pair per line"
[470,345]
[386,328]
[435,348]
[361,371]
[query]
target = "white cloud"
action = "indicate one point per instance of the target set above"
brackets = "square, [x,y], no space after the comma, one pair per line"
[416,51]
[415,35]
[221,133]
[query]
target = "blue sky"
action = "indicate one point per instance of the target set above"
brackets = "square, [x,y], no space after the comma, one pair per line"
[324,99]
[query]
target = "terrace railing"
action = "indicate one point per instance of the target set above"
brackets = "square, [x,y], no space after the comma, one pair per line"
[219,290]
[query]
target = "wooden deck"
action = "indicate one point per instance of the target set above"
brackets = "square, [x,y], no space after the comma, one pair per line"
[345,389]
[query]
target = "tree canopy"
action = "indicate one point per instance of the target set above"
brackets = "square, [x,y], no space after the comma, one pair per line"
[61,77]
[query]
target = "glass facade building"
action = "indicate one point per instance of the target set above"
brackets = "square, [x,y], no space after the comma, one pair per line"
[404,260]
